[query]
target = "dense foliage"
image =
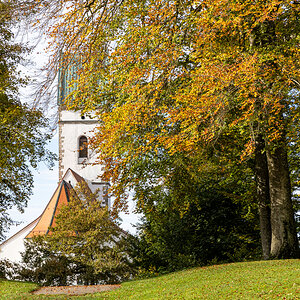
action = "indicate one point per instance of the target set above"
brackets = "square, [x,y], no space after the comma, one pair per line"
[216,232]
[46,267]
[190,221]
[85,246]
[173,76]
[85,231]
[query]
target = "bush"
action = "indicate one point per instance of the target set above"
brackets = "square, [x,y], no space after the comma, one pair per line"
[8,269]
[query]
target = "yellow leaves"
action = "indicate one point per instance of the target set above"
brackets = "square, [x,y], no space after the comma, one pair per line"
[163,75]
[249,149]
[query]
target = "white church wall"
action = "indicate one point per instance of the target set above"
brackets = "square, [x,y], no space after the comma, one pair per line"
[12,248]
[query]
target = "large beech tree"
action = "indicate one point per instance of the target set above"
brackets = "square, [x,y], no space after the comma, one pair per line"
[176,75]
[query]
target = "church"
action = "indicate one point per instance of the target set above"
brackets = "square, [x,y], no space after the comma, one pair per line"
[76,164]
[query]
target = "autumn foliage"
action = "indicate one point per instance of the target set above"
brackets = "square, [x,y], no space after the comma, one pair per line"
[169,77]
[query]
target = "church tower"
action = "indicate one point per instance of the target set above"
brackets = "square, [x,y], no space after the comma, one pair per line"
[75,130]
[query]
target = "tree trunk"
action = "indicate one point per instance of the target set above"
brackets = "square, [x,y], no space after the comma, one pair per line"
[284,242]
[263,196]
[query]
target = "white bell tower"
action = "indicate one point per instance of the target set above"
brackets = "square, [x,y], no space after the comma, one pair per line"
[75,131]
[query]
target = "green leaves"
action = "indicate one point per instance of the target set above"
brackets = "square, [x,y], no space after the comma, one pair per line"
[85,232]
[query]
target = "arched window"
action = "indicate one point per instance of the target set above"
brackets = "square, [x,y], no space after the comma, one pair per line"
[83,147]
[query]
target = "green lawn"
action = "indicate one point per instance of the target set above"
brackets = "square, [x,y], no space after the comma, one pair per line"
[252,280]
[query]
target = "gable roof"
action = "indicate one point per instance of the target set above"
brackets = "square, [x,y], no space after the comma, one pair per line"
[60,197]
[47,218]
[76,176]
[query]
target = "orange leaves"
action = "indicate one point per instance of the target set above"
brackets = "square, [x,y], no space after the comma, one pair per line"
[173,75]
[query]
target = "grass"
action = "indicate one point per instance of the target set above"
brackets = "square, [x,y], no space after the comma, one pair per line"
[15,290]
[251,280]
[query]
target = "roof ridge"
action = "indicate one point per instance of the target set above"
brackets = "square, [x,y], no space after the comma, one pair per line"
[24,228]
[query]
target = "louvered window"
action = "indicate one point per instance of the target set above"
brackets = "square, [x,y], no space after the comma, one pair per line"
[83,147]
[105,195]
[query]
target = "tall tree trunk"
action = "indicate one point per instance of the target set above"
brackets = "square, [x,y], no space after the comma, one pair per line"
[284,243]
[263,195]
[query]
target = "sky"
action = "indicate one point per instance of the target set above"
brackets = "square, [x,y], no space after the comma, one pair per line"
[45,180]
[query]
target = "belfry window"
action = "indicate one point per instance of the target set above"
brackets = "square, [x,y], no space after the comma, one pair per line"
[83,147]
[105,195]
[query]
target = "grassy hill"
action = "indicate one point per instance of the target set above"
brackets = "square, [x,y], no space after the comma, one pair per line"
[251,280]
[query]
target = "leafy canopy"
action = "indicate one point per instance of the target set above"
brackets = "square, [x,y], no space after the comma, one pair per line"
[85,232]
[175,75]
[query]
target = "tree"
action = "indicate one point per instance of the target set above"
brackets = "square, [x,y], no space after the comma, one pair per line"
[173,76]
[23,133]
[215,227]
[45,267]
[42,265]
[87,235]
[195,210]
